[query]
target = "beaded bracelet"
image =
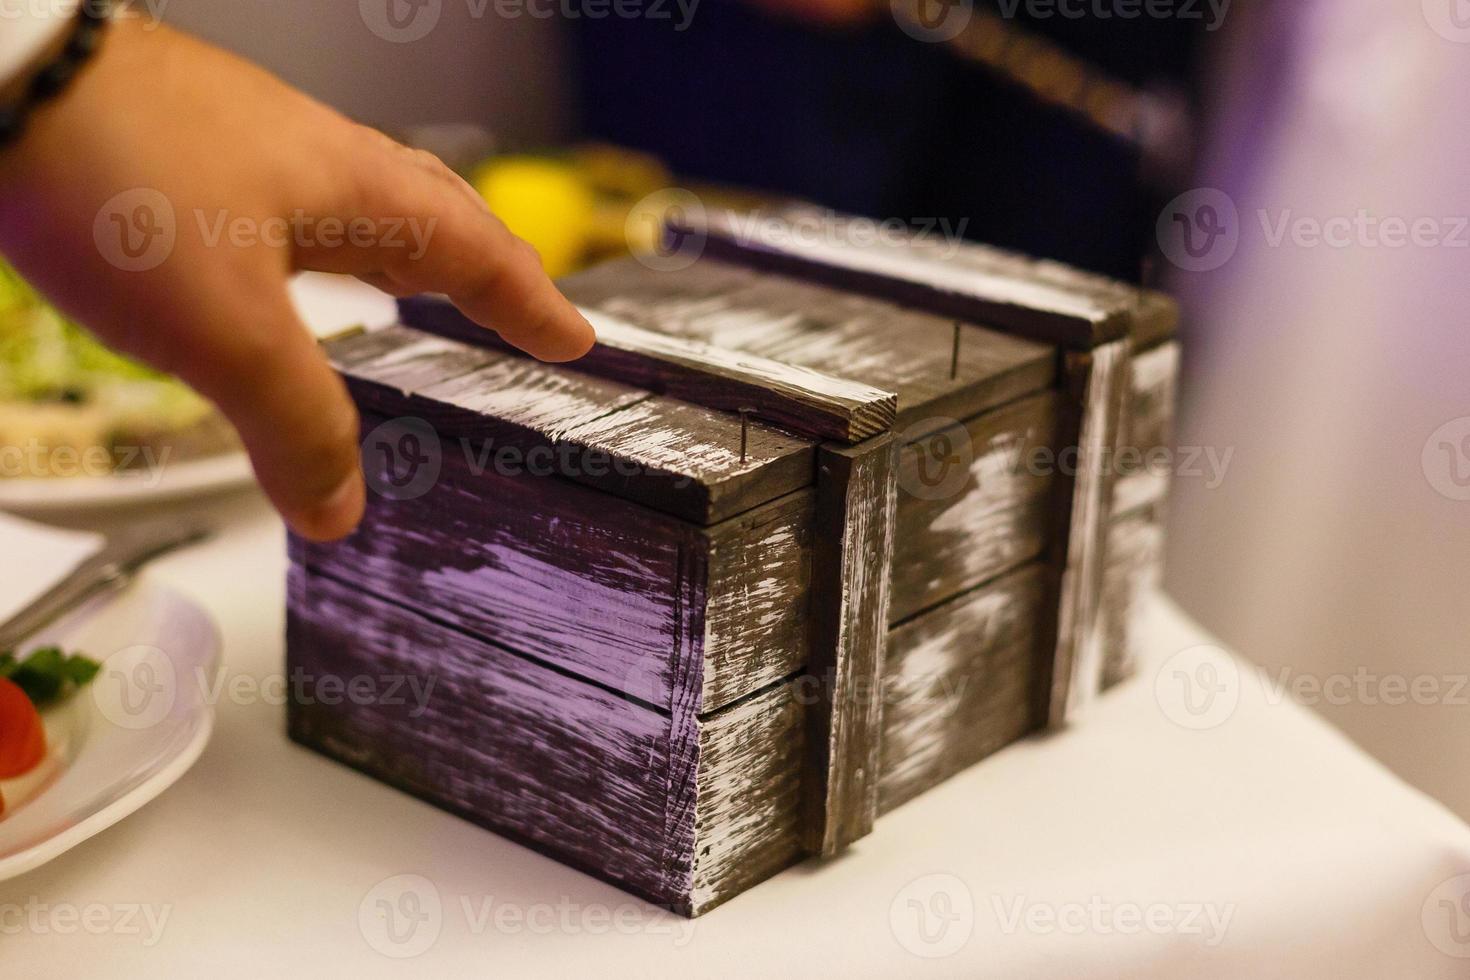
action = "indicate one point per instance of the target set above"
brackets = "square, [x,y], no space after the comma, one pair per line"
[53,77]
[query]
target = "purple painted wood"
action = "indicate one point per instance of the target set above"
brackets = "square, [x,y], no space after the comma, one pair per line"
[806,402]
[608,591]
[510,412]
[959,528]
[907,351]
[682,810]
[857,489]
[943,276]
[961,682]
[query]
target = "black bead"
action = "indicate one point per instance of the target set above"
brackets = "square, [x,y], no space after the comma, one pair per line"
[53,78]
[85,41]
[12,121]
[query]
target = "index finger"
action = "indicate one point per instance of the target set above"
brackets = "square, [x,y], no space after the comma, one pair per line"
[450,242]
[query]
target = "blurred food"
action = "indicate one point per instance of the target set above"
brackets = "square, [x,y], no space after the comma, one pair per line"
[22,736]
[590,202]
[543,200]
[71,407]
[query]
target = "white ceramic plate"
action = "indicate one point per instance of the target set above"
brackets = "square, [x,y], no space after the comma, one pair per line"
[209,474]
[127,737]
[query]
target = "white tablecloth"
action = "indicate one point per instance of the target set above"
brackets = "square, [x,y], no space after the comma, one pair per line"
[1231,834]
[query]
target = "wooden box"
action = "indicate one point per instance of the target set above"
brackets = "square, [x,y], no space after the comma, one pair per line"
[775,558]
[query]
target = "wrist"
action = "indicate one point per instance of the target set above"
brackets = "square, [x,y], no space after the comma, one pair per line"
[64,48]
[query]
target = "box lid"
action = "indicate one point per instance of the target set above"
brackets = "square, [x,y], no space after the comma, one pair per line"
[938,367]
[1036,298]
[684,459]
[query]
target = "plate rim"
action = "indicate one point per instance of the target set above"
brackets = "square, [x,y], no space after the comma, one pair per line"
[149,789]
[205,474]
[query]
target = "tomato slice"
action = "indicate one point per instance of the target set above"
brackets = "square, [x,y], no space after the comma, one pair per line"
[22,736]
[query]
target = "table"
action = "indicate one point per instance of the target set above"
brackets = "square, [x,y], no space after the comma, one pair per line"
[1196,824]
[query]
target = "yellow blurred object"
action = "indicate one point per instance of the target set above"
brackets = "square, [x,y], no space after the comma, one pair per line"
[618,172]
[547,202]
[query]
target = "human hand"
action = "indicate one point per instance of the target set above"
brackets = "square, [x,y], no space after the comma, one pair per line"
[256,181]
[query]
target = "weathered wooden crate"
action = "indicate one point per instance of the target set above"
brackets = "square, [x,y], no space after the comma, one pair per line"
[772,560]
[1120,358]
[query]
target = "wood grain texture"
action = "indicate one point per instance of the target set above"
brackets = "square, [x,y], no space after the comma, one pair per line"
[507,411]
[944,276]
[955,533]
[907,351]
[1099,384]
[748,821]
[572,769]
[759,596]
[1136,536]
[961,682]
[1149,423]
[601,588]
[1134,568]
[856,499]
[801,400]
[681,810]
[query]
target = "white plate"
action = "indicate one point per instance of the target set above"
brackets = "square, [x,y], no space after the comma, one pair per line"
[127,737]
[209,474]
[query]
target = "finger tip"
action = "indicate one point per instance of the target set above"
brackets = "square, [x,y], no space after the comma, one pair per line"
[572,345]
[334,516]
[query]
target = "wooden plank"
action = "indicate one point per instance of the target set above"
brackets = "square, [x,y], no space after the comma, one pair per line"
[757,625]
[683,811]
[806,402]
[956,531]
[942,276]
[591,585]
[856,500]
[1148,434]
[1134,569]
[510,412]
[750,780]
[961,682]
[1099,385]
[687,460]
[572,770]
[906,351]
